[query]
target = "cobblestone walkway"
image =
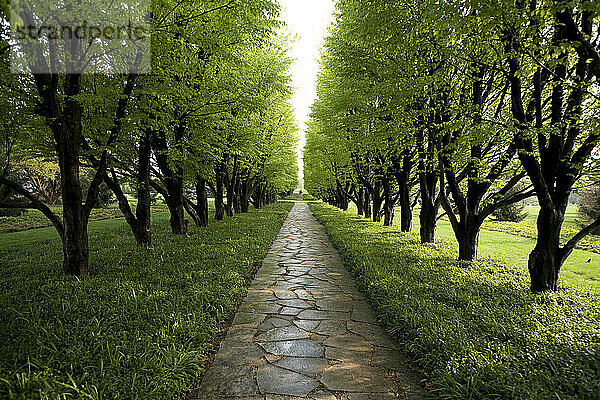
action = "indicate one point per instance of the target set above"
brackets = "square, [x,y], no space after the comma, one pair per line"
[305,331]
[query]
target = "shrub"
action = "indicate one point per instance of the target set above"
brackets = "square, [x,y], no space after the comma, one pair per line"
[589,207]
[511,213]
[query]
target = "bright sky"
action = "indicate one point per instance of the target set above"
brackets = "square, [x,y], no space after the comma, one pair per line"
[308,21]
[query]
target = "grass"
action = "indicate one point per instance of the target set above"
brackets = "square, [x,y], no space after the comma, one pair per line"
[33,219]
[512,242]
[527,228]
[571,216]
[140,325]
[582,268]
[473,327]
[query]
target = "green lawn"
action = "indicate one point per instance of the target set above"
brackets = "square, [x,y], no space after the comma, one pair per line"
[33,219]
[514,250]
[571,217]
[474,328]
[582,268]
[140,325]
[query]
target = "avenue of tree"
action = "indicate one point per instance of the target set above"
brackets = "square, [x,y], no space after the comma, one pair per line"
[462,107]
[213,116]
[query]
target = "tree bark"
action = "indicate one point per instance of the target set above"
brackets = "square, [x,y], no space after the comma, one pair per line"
[377,202]
[388,205]
[173,181]
[219,206]
[545,260]
[468,241]
[429,205]
[245,196]
[428,220]
[201,201]
[406,212]
[360,201]
[367,205]
[235,187]
[67,133]
[143,233]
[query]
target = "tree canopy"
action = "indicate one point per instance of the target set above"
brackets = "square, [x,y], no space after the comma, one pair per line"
[213,116]
[463,106]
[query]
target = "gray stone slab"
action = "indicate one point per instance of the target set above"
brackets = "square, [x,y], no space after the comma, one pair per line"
[336,304]
[284,294]
[306,366]
[363,313]
[260,308]
[319,314]
[275,380]
[370,396]
[355,357]
[307,325]
[331,327]
[281,334]
[297,303]
[248,319]
[348,377]
[238,353]
[323,395]
[227,382]
[349,341]
[290,311]
[294,348]
[373,333]
[240,334]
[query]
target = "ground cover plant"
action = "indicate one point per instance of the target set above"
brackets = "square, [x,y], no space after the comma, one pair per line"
[473,327]
[139,325]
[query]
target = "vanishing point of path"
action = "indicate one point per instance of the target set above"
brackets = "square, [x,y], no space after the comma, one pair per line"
[304,330]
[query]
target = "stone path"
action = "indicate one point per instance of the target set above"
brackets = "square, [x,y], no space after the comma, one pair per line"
[305,331]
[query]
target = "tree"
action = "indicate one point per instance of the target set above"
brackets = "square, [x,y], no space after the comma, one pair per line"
[155,131]
[552,66]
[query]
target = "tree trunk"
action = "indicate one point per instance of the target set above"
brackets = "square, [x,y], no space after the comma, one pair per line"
[406,212]
[75,244]
[468,238]
[377,202]
[140,222]
[360,201]
[237,198]
[367,205]
[142,230]
[67,134]
[467,246]
[175,203]
[219,206]
[388,205]
[545,260]
[245,196]
[172,179]
[257,197]
[428,220]
[429,205]
[229,204]
[201,201]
